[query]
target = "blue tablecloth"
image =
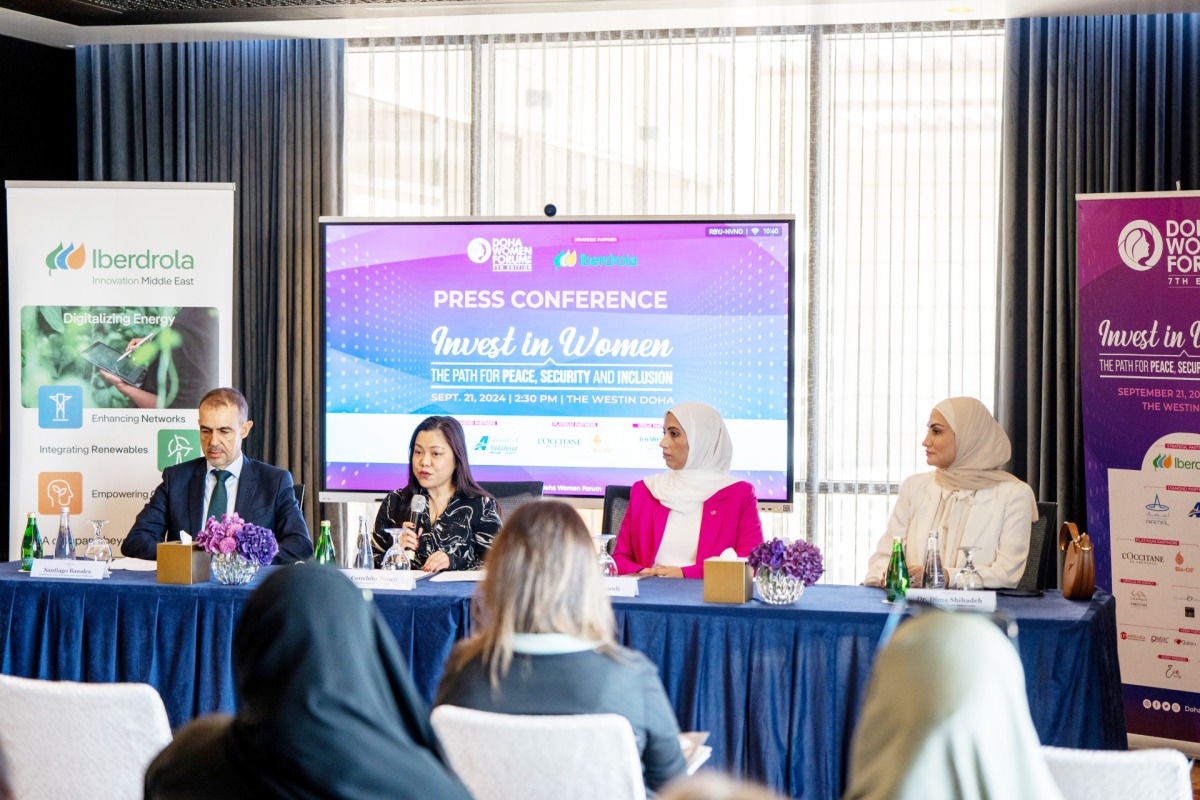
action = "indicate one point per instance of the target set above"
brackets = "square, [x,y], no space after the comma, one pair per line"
[778,688]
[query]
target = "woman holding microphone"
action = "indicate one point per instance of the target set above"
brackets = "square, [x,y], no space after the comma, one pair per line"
[459,519]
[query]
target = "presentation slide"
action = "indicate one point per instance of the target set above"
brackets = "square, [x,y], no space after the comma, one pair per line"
[558,344]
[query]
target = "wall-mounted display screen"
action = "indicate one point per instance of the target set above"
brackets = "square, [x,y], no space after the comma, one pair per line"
[559,344]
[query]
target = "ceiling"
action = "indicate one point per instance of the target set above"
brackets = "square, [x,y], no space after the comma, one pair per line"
[66,23]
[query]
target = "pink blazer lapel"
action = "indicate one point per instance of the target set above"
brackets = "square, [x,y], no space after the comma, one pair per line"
[710,526]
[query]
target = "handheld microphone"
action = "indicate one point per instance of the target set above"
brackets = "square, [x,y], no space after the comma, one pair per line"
[416,508]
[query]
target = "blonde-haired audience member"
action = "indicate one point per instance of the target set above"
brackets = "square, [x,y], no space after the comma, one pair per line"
[546,646]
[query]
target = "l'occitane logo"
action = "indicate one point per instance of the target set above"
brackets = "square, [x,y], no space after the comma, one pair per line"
[69,257]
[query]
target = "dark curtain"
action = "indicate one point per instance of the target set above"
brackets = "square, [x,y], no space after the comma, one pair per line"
[266,116]
[1091,104]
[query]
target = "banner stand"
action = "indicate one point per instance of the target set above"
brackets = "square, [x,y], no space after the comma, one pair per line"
[120,319]
[1139,362]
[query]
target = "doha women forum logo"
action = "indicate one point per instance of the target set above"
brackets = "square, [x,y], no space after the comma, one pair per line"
[1140,245]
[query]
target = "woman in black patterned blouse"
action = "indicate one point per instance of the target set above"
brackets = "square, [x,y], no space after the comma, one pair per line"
[461,518]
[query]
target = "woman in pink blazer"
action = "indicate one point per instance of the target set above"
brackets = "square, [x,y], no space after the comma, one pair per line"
[693,511]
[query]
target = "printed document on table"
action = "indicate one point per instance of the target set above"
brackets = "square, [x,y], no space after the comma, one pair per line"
[468,576]
[133,564]
[695,751]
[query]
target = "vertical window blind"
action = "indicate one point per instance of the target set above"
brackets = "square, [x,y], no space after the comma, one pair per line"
[882,140]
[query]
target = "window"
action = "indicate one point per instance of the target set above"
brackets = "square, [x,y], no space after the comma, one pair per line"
[882,140]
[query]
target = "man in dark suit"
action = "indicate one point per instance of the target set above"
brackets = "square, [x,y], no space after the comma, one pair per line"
[222,480]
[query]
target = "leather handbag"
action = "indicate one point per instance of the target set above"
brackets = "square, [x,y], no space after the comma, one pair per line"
[1079,563]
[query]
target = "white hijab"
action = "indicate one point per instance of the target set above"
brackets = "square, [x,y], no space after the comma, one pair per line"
[947,718]
[710,453]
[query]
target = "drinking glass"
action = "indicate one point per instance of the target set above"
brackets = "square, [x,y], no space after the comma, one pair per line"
[395,557]
[608,567]
[98,548]
[968,577]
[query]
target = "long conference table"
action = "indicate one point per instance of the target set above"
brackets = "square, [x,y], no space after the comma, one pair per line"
[778,688]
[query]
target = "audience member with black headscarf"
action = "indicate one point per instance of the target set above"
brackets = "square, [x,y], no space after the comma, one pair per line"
[326,707]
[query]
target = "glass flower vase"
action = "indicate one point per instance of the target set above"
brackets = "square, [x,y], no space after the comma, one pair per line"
[777,587]
[232,569]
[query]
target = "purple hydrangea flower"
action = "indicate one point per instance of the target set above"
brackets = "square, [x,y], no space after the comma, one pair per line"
[232,534]
[796,560]
[257,544]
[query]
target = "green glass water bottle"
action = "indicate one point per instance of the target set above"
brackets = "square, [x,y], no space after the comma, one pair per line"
[324,552]
[896,581]
[31,543]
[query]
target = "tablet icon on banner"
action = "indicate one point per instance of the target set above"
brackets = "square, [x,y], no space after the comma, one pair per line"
[58,489]
[60,406]
[176,446]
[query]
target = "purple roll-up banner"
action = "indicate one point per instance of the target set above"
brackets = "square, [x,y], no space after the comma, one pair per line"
[1139,364]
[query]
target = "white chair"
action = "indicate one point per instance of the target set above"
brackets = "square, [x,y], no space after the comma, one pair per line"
[510,756]
[80,740]
[1159,774]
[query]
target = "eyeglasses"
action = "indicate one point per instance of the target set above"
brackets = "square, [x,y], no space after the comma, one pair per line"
[915,608]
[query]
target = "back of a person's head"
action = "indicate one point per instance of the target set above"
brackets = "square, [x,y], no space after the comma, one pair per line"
[324,695]
[298,624]
[711,785]
[946,709]
[542,577]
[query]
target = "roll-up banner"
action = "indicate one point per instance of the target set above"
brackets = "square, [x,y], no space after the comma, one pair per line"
[1139,361]
[120,319]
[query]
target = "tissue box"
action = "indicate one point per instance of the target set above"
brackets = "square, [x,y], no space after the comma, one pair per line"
[182,563]
[727,581]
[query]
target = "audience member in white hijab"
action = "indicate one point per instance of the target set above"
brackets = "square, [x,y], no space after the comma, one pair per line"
[947,718]
[693,511]
[968,499]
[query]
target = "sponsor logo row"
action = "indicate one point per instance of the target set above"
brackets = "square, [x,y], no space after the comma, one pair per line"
[510,254]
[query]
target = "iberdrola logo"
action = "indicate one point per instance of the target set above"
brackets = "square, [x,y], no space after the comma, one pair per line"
[1162,462]
[69,257]
[567,258]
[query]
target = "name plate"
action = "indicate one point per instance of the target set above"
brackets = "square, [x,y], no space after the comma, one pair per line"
[78,570]
[621,587]
[984,600]
[390,579]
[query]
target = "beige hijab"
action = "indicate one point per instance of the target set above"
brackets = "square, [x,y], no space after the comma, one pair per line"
[947,718]
[982,446]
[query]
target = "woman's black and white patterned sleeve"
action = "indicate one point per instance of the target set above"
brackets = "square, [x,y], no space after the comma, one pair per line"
[488,527]
[462,530]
